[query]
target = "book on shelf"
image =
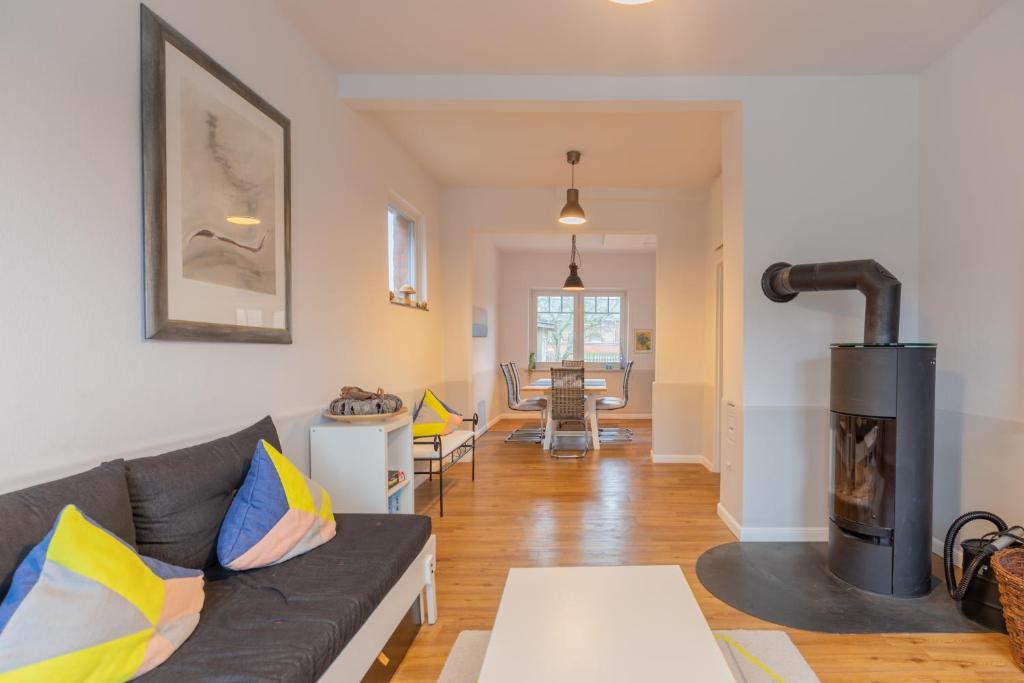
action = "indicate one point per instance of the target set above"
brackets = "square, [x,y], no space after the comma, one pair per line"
[395,477]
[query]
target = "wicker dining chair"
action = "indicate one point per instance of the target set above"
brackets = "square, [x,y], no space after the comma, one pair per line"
[531,405]
[568,404]
[578,364]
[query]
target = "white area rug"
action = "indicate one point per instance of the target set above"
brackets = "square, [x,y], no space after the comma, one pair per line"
[466,658]
[769,656]
[753,656]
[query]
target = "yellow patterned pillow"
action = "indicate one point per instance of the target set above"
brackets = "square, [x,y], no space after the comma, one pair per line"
[433,417]
[84,606]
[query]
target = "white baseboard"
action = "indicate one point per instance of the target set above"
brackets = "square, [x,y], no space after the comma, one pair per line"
[677,459]
[680,459]
[765,534]
[729,521]
[524,416]
[480,431]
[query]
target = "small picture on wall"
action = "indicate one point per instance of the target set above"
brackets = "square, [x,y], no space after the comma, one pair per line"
[479,322]
[643,341]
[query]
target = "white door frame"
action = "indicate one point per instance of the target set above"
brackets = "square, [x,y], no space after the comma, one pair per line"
[719,270]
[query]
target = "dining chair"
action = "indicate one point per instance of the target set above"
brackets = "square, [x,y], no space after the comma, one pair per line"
[519,395]
[568,404]
[573,364]
[515,375]
[530,405]
[605,403]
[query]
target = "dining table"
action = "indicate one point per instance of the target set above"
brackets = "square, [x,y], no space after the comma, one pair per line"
[593,389]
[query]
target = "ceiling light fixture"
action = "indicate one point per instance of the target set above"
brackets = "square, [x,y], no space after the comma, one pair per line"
[632,2]
[573,283]
[572,212]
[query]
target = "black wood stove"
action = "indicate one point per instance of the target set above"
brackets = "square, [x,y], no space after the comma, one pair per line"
[883,426]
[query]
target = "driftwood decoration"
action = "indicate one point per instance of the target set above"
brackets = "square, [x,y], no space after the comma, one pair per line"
[356,401]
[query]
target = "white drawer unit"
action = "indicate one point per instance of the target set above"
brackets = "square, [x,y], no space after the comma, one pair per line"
[352,460]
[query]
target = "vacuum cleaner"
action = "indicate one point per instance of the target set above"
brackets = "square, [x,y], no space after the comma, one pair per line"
[977,594]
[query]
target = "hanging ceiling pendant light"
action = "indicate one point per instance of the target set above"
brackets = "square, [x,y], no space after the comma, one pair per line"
[573,283]
[572,212]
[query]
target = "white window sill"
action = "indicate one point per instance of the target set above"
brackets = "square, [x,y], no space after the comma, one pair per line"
[413,306]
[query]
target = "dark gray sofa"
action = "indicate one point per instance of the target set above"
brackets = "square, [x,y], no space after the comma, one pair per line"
[283,623]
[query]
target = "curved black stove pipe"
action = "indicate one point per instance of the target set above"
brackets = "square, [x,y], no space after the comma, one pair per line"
[781,282]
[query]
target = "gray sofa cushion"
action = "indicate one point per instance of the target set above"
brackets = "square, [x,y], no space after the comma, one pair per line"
[179,499]
[288,622]
[27,515]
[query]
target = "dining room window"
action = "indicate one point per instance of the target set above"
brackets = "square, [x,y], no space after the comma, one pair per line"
[584,326]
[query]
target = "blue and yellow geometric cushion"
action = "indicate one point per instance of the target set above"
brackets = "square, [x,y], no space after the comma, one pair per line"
[277,514]
[84,606]
[432,417]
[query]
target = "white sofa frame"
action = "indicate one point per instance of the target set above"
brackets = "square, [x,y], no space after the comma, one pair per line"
[361,652]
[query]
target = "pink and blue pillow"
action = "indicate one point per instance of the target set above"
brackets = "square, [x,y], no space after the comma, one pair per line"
[276,515]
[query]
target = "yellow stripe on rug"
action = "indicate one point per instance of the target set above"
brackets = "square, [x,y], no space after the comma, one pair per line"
[750,658]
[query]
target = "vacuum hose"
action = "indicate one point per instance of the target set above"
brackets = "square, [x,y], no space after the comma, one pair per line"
[957,592]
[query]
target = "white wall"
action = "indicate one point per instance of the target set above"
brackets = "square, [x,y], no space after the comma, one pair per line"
[523,271]
[831,173]
[732,436]
[713,256]
[79,381]
[490,399]
[972,283]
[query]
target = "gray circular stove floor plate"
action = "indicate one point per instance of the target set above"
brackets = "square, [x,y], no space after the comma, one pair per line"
[789,584]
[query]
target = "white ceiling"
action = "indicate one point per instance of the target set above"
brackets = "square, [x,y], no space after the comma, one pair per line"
[665,36]
[586,242]
[527,149]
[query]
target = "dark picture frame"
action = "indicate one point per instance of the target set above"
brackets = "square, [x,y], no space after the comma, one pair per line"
[155,34]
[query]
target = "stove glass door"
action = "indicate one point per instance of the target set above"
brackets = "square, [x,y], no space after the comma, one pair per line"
[863,472]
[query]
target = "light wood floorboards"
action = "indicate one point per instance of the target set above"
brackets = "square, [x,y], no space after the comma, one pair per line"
[616,507]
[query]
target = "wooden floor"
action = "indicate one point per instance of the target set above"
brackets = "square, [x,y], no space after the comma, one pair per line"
[616,507]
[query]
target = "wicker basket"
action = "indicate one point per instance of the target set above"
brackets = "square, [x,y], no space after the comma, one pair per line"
[1009,568]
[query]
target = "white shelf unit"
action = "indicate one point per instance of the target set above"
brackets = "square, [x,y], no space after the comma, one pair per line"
[351,460]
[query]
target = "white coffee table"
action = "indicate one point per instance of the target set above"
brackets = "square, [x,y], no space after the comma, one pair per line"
[601,624]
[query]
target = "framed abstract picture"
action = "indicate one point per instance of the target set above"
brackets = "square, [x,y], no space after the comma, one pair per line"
[643,341]
[216,198]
